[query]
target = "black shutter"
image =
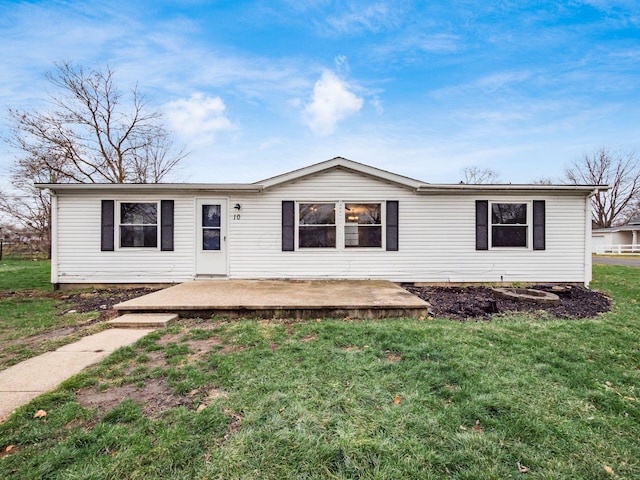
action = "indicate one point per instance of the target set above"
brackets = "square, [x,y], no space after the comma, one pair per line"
[539,242]
[392,225]
[482,225]
[288,225]
[107,226]
[166,225]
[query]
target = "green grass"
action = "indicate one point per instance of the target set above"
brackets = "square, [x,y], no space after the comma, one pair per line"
[27,308]
[19,274]
[371,399]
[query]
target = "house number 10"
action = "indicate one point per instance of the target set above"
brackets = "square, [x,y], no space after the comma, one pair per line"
[236,216]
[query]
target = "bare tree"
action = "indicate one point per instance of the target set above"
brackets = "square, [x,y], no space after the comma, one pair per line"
[29,208]
[476,175]
[92,133]
[619,170]
[544,181]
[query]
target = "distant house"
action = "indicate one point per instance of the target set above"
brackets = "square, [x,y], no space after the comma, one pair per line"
[622,239]
[337,219]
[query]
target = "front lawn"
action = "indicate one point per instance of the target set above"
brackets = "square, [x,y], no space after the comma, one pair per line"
[30,312]
[521,396]
[18,274]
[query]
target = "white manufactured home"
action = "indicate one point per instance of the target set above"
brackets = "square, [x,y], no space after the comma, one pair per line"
[337,219]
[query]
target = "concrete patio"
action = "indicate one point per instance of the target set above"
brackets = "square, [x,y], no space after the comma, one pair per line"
[281,299]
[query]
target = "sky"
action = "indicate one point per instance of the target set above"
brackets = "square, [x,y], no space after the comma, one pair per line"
[256,88]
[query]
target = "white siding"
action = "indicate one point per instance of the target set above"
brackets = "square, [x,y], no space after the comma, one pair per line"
[79,259]
[436,238]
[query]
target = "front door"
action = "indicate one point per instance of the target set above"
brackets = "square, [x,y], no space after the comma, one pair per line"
[211,236]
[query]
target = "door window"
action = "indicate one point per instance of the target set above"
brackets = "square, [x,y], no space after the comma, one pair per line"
[211,227]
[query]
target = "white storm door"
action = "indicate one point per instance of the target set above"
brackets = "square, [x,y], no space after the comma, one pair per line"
[211,236]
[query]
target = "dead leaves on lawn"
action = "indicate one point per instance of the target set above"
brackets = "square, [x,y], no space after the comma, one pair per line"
[476,427]
[40,414]
[610,387]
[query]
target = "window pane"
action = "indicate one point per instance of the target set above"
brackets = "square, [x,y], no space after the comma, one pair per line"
[317,214]
[138,236]
[211,239]
[317,237]
[509,213]
[211,215]
[363,213]
[139,213]
[362,236]
[509,236]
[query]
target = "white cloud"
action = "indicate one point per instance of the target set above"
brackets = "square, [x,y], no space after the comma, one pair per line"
[366,17]
[332,101]
[199,118]
[377,105]
[342,64]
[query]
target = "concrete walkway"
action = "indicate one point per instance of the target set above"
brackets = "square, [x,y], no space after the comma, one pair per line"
[25,381]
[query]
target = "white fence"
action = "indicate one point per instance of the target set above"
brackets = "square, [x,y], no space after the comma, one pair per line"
[616,249]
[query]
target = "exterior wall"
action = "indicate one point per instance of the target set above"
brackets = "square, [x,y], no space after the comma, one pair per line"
[436,238]
[78,259]
[608,240]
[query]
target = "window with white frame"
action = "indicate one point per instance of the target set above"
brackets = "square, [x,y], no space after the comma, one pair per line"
[317,225]
[340,225]
[362,225]
[138,224]
[509,225]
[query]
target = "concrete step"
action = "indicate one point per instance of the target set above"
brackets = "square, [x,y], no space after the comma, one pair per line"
[143,320]
[281,299]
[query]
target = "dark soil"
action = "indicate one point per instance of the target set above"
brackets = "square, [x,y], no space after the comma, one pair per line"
[101,300]
[154,394]
[474,303]
[155,397]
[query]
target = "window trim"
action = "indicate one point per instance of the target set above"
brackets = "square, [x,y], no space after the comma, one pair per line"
[528,224]
[119,224]
[340,226]
[335,225]
[380,225]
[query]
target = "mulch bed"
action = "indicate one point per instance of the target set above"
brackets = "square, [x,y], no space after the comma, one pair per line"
[458,303]
[474,303]
[102,300]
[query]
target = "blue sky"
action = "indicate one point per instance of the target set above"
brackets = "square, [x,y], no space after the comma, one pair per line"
[422,88]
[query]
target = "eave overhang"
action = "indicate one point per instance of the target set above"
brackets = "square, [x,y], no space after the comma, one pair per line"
[474,189]
[152,187]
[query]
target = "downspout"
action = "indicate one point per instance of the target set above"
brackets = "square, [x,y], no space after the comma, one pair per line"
[588,267]
[54,237]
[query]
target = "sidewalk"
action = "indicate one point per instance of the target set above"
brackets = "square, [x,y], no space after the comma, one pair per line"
[25,381]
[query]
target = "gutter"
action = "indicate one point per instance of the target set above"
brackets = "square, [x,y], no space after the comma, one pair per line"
[476,188]
[143,187]
[53,236]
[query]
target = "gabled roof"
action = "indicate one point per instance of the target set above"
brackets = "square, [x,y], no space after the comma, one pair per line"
[345,164]
[418,186]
